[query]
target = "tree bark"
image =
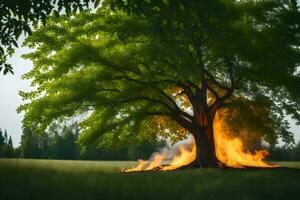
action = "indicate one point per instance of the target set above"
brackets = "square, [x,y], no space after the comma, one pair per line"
[203,131]
[205,148]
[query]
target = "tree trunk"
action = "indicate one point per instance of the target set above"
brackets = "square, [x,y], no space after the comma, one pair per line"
[205,148]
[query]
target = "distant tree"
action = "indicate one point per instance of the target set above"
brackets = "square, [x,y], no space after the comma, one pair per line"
[1,138]
[45,142]
[296,152]
[17,152]
[144,150]
[10,148]
[282,153]
[91,152]
[65,144]
[30,144]
[60,142]
[10,143]
[2,144]
[5,137]
[6,146]
[150,66]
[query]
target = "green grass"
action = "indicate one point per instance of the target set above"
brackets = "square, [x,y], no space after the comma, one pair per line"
[289,164]
[49,179]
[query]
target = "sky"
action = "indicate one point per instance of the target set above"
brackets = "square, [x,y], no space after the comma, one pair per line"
[10,85]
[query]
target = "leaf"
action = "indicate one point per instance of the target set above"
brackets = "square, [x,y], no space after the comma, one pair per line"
[27,29]
[5,71]
[97,2]
[15,43]
[18,33]
[1,51]
[7,68]
[56,13]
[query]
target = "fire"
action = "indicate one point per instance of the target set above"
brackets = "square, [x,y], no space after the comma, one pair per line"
[184,158]
[159,160]
[229,150]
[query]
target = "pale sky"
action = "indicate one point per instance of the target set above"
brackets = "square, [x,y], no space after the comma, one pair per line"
[10,85]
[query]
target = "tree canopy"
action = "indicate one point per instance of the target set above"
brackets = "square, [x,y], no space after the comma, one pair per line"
[149,69]
[18,16]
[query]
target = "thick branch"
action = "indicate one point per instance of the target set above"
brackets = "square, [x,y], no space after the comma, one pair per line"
[183,122]
[214,92]
[176,107]
[219,101]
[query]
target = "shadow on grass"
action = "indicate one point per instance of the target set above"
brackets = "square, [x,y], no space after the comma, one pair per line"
[54,183]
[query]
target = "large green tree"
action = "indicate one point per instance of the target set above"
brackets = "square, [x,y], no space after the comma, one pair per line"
[147,69]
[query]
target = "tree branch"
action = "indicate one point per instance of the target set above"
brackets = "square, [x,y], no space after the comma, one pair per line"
[213,91]
[176,107]
[219,101]
[213,80]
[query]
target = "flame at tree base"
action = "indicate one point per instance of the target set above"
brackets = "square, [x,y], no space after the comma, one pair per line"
[160,162]
[229,150]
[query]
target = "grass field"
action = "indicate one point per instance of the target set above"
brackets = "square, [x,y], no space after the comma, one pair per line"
[50,179]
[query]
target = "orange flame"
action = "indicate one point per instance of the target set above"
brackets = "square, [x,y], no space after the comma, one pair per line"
[229,150]
[185,157]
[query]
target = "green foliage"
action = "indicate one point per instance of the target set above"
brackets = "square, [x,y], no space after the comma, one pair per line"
[296,152]
[18,16]
[1,138]
[6,146]
[29,144]
[285,153]
[145,62]
[60,142]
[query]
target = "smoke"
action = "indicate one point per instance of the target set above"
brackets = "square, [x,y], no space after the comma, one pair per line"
[170,151]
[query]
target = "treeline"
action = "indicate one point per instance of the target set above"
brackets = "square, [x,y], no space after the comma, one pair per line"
[285,153]
[59,142]
[6,146]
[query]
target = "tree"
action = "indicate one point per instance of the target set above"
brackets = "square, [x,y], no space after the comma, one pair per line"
[29,144]
[150,69]
[64,144]
[10,143]
[280,153]
[6,146]
[17,17]
[296,152]
[144,150]
[59,142]
[5,137]
[1,138]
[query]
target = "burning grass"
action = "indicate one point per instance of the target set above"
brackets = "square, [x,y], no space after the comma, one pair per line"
[50,179]
[167,159]
[230,151]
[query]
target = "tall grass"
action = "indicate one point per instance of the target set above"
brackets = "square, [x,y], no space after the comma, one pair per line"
[47,179]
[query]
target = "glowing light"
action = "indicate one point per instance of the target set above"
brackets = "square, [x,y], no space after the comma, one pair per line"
[229,150]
